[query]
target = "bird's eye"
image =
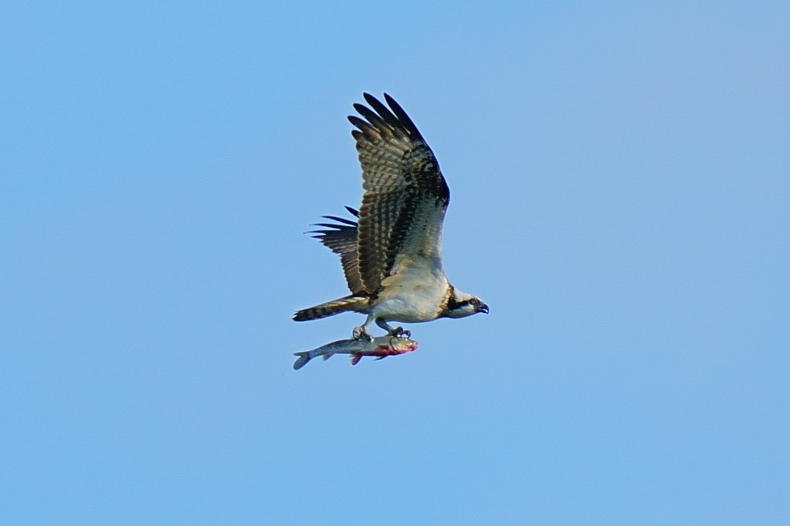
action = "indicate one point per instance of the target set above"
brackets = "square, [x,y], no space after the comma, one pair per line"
[475,302]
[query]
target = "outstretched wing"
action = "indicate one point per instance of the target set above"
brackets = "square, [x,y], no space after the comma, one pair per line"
[405,197]
[341,238]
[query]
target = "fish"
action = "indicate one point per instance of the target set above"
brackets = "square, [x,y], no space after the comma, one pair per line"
[380,347]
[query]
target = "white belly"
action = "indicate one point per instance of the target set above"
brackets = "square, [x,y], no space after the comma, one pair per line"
[414,295]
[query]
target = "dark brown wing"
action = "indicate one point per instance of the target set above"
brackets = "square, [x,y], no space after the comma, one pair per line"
[341,238]
[405,193]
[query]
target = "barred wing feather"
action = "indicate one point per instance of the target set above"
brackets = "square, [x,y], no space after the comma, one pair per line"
[341,238]
[406,194]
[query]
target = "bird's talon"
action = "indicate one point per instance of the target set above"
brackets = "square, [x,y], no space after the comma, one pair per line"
[360,333]
[400,332]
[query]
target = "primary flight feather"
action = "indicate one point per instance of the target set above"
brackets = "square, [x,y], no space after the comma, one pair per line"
[392,254]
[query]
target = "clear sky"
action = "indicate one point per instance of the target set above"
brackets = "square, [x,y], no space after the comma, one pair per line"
[620,177]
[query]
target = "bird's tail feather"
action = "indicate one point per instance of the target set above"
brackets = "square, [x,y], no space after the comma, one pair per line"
[330,308]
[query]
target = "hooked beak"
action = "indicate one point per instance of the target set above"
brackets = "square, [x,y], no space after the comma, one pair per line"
[483,308]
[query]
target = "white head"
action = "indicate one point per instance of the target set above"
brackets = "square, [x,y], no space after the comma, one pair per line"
[460,305]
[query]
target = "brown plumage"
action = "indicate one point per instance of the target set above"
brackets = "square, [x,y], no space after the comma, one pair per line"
[392,254]
[400,175]
[341,238]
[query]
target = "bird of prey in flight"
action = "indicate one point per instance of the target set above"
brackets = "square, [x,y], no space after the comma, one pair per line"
[392,254]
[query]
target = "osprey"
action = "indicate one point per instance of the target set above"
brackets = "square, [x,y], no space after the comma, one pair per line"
[392,254]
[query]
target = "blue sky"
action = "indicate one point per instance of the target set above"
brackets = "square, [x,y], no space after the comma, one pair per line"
[620,191]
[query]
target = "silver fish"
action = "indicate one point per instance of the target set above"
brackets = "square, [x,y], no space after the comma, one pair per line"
[380,347]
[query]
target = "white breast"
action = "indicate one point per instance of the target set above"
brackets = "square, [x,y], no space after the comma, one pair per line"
[414,292]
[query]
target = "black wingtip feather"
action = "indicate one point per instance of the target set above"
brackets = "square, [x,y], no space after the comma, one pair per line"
[383,111]
[370,115]
[341,220]
[394,116]
[370,99]
[353,211]
[359,123]
[403,116]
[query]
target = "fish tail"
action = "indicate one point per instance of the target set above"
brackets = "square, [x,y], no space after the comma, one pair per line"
[303,358]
